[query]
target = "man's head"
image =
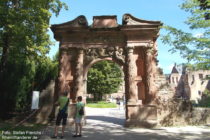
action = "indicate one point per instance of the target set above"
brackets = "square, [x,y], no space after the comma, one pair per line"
[79,98]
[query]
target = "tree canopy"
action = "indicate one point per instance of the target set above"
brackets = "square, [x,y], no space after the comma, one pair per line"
[104,77]
[23,28]
[24,43]
[194,48]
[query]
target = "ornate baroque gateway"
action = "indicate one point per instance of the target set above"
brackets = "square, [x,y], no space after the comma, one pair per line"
[132,45]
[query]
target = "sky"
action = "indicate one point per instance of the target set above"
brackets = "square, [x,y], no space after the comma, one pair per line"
[166,11]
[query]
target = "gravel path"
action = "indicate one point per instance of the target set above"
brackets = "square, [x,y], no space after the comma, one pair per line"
[107,124]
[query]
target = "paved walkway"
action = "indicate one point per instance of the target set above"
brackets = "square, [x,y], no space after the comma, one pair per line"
[107,124]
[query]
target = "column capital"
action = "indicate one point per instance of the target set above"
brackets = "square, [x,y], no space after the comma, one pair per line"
[130,46]
[150,44]
[80,50]
[149,50]
[130,49]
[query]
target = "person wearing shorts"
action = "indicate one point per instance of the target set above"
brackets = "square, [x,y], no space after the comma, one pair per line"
[63,102]
[78,117]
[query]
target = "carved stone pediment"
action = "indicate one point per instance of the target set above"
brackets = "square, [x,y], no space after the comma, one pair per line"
[80,21]
[131,20]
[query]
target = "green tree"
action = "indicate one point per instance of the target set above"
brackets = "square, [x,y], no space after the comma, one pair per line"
[205,100]
[23,28]
[194,48]
[24,43]
[104,77]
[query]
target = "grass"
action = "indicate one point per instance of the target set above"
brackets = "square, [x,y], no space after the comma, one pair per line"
[26,131]
[101,104]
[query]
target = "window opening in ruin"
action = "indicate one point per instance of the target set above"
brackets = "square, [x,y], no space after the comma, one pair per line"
[201,76]
[193,79]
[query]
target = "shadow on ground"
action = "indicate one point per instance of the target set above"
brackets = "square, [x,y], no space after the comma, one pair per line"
[111,128]
[108,125]
[108,119]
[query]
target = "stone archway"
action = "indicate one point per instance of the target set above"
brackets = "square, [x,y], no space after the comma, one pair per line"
[132,45]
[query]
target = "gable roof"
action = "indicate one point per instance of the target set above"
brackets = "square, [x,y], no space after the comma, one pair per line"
[181,68]
[174,70]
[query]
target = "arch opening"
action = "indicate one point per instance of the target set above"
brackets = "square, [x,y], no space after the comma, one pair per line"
[105,87]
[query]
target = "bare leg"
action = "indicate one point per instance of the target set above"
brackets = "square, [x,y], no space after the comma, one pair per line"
[63,129]
[76,128]
[56,131]
[80,129]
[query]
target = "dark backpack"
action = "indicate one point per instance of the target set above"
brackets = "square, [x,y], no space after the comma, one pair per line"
[81,111]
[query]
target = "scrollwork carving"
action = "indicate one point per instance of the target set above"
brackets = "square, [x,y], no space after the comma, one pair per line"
[129,20]
[82,20]
[91,53]
[101,52]
[114,52]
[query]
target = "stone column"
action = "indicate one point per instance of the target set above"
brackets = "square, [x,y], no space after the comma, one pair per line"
[131,73]
[85,86]
[79,74]
[149,72]
[63,61]
[85,90]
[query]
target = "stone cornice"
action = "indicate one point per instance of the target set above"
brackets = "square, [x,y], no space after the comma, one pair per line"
[77,32]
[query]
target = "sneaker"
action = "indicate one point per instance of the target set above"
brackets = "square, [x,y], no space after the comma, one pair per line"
[75,136]
[79,135]
[61,137]
[54,137]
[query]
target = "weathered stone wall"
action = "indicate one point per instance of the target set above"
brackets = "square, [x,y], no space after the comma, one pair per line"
[142,116]
[45,104]
[71,113]
[176,112]
[197,83]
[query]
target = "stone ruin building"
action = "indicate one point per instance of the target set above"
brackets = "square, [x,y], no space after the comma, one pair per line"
[189,84]
[132,45]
